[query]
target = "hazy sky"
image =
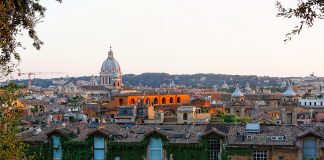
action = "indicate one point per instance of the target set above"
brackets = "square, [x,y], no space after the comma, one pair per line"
[173,36]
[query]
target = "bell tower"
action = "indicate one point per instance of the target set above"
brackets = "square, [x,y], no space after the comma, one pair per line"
[237,102]
[289,103]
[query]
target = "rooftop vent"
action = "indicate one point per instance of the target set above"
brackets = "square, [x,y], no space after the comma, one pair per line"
[252,128]
[37,131]
[188,135]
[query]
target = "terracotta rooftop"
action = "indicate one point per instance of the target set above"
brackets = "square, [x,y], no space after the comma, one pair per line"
[173,133]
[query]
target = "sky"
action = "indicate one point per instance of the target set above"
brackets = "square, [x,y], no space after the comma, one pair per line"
[172,36]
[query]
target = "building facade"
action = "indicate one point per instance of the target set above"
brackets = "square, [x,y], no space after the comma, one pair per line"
[175,142]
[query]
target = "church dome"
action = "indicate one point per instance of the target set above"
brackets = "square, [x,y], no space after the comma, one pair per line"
[110,65]
[289,92]
[237,92]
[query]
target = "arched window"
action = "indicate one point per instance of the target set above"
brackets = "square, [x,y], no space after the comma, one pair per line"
[132,101]
[57,147]
[98,148]
[156,101]
[155,149]
[163,100]
[185,116]
[178,100]
[121,102]
[171,100]
[310,148]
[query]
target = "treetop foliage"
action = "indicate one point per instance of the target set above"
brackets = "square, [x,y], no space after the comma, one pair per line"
[306,10]
[15,17]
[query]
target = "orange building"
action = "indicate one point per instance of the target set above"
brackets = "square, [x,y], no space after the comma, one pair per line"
[155,98]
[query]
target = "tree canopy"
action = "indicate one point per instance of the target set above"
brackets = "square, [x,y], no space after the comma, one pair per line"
[17,16]
[306,10]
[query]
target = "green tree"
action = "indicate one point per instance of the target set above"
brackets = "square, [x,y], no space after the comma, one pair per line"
[17,16]
[306,10]
[11,146]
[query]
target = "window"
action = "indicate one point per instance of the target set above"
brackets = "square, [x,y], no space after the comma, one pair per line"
[163,100]
[310,148]
[314,103]
[171,100]
[155,149]
[260,155]
[213,149]
[98,148]
[178,100]
[278,138]
[185,116]
[57,148]
[132,101]
[281,158]
[249,136]
[156,101]
[121,102]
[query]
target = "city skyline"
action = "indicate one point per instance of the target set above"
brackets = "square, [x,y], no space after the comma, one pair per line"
[182,37]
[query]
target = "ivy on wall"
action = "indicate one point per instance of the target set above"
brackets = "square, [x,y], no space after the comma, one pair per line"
[82,150]
[229,152]
[77,150]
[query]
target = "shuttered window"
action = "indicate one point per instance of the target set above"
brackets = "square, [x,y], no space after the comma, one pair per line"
[310,148]
[57,148]
[155,149]
[98,148]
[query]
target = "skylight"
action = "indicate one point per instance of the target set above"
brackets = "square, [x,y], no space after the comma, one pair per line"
[252,128]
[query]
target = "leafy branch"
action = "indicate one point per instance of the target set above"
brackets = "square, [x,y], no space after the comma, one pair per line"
[308,11]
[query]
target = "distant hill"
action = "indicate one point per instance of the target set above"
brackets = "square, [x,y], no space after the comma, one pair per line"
[200,79]
[156,79]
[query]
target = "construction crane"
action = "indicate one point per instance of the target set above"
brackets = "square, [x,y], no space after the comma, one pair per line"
[30,74]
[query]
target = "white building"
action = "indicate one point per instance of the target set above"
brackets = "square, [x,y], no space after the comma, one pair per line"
[311,103]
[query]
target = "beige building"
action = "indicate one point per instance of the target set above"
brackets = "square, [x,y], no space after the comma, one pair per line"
[186,114]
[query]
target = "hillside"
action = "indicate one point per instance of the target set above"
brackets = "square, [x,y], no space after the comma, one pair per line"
[156,79]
